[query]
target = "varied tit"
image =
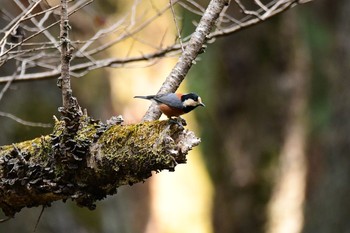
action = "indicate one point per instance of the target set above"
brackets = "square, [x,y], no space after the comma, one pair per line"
[175,104]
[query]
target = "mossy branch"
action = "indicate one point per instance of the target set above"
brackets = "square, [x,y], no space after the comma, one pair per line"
[93,164]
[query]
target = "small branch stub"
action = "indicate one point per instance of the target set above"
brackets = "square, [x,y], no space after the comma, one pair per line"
[64,80]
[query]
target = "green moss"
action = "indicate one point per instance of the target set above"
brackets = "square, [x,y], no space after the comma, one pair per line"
[88,166]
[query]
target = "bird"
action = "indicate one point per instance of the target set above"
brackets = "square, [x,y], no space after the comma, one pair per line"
[175,104]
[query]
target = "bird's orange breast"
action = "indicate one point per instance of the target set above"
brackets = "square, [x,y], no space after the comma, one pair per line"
[169,111]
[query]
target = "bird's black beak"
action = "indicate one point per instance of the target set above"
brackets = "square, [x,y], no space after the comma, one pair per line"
[201,104]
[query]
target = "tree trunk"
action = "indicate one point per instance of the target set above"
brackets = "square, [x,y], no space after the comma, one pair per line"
[328,204]
[260,102]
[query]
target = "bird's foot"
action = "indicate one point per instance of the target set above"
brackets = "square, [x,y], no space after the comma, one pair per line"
[179,121]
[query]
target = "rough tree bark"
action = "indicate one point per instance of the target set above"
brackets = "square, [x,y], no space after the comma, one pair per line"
[328,204]
[103,157]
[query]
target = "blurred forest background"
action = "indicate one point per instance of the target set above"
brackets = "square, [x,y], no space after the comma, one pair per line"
[275,132]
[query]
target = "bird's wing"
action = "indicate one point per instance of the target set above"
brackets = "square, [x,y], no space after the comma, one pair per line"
[170,99]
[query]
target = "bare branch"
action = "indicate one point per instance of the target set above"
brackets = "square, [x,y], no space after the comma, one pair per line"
[251,22]
[176,25]
[247,12]
[39,25]
[128,33]
[15,23]
[192,49]
[87,54]
[66,55]
[261,5]
[23,122]
[89,66]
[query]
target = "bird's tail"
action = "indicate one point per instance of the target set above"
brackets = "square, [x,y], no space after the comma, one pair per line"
[147,97]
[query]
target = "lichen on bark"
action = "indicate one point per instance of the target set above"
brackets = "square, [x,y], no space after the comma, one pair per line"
[90,165]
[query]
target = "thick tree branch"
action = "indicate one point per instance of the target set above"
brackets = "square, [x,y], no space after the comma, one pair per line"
[101,158]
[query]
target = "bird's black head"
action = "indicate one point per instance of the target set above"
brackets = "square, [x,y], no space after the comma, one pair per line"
[190,101]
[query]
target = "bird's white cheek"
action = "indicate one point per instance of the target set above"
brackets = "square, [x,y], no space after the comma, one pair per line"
[189,102]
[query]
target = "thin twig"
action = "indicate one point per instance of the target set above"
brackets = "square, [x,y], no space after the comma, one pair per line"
[23,122]
[126,36]
[39,25]
[5,219]
[41,31]
[231,25]
[176,24]
[15,25]
[38,220]
[247,12]
[261,5]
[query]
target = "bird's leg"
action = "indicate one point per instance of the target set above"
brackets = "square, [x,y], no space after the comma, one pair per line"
[178,120]
[182,121]
[172,120]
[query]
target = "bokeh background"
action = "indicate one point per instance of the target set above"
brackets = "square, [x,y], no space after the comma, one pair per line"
[275,133]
